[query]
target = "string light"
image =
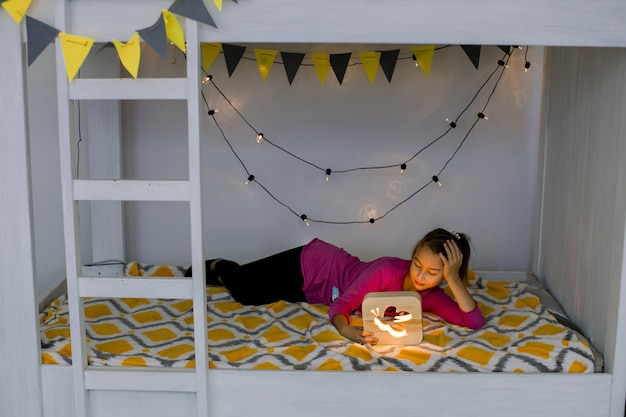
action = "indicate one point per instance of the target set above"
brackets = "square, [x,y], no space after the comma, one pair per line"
[417,64]
[259,137]
[527,63]
[206,79]
[501,64]
[481,115]
[211,112]
[250,179]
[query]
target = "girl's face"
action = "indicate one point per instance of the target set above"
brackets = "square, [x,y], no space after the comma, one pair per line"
[426,270]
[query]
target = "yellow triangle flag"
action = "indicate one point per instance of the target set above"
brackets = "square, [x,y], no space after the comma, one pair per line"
[370,61]
[75,50]
[16,8]
[210,51]
[129,54]
[174,31]
[322,64]
[218,4]
[265,59]
[424,56]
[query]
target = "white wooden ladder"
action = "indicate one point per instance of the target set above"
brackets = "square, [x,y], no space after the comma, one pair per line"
[87,378]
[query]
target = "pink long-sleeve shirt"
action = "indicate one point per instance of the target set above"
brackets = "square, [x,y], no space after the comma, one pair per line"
[325,266]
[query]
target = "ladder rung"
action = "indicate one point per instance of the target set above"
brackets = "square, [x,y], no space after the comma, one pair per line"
[136,287]
[140,379]
[128,89]
[131,190]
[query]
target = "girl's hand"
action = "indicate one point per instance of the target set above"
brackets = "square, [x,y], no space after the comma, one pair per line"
[357,334]
[451,260]
[354,333]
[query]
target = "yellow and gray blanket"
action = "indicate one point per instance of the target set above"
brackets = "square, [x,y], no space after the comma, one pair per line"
[520,336]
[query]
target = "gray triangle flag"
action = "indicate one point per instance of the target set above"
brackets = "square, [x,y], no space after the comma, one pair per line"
[155,36]
[291,62]
[505,48]
[40,35]
[388,61]
[473,52]
[232,55]
[339,63]
[193,9]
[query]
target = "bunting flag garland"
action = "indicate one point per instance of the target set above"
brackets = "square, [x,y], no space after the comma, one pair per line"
[16,8]
[473,53]
[265,59]
[129,54]
[75,50]
[174,31]
[505,48]
[424,57]
[209,51]
[291,62]
[39,35]
[370,61]
[194,9]
[218,4]
[156,36]
[388,61]
[232,55]
[321,62]
[339,63]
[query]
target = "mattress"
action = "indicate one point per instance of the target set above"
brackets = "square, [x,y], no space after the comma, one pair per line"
[523,333]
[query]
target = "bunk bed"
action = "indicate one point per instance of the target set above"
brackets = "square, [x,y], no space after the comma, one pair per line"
[82,390]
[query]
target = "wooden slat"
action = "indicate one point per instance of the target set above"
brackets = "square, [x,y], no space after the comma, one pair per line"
[131,190]
[128,89]
[140,379]
[136,287]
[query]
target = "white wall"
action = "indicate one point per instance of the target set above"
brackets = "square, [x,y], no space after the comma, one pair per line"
[489,187]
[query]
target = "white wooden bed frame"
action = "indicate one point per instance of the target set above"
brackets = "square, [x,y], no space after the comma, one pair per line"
[591,283]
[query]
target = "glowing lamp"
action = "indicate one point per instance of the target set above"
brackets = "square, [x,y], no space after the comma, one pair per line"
[395,318]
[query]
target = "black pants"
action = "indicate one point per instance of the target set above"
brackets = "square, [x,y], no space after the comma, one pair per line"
[277,277]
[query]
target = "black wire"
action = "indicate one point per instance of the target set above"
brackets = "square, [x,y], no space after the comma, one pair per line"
[372,220]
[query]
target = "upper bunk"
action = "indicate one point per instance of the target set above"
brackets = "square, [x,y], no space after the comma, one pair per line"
[483,22]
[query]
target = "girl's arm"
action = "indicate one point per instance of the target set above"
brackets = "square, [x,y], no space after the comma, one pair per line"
[451,264]
[354,333]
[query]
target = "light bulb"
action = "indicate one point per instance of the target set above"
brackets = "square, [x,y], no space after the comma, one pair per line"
[481,115]
[305,219]
[402,168]
[328,171]
[259,137]
[436,179]
[250,178]
[526,66]
[451,123]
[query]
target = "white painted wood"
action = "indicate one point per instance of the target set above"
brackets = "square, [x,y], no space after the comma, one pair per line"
[70,219]
[136,287]
[131,190]
[195,214]
[140,379]
[101,130]
[18,311]
[582,243]
[487,22]
[315,393]
[128,89]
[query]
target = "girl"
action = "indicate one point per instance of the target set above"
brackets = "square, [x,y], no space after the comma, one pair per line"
[319,272]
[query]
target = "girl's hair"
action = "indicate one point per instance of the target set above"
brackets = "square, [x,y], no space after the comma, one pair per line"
[434,241]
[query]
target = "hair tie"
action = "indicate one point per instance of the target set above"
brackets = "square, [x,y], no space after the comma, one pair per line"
[456,235]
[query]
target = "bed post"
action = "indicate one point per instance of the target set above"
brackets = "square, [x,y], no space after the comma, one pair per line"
[20,385]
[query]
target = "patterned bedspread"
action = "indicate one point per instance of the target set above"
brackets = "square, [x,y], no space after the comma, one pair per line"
[520,336]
